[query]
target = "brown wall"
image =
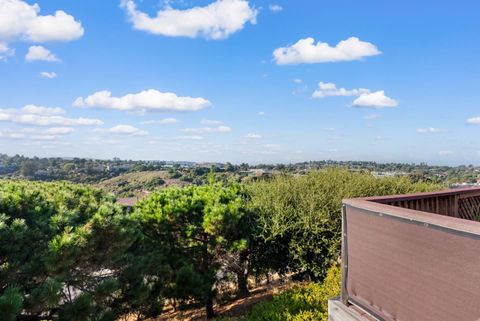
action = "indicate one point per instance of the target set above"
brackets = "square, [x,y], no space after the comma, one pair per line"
[412,267]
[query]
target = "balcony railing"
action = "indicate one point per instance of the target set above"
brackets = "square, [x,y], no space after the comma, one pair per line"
[411,257]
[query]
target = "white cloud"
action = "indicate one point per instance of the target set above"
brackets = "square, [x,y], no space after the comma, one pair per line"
[41,110]
[375,100]
[208,130]
[272,146]
[446,153]
[365,98]
[5,51]
[39,53]
[298,81]
[59,130]
[211,122]
[43,116]
[43,137]
[48,74]
[35,134]
[223,129]
[189,137]
[22,21]
[371,117]
[428,130]
[330,90]
[165,121]
[473,121]
[275,8]
[147,100]
[126,130]
[7,134]
[253,136]
[101,141]
[217,20]
[307,51]
[261,113]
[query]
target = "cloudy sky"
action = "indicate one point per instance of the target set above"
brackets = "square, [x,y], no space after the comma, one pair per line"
[237,80]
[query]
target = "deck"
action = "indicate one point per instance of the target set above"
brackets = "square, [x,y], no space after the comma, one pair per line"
[411,258]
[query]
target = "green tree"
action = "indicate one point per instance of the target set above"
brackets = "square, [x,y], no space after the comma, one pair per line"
[302,215]
[197,228]
[61,251]
[28,168]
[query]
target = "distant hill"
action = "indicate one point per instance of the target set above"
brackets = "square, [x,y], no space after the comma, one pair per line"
[138,183]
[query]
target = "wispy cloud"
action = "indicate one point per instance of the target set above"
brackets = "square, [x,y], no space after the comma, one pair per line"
[446,153]
[208,130]
[428,130]
[189,137]
[211,122]
[164,121]
[473,121]
[44,116]
[127,130]
[48,74]
[275,8]
[253,136]
[35,134]
[365,98]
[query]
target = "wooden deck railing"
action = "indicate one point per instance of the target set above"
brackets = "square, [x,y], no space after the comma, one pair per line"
[461,203]
[413,257]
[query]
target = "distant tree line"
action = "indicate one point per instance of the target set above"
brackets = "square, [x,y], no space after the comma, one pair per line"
[81,170]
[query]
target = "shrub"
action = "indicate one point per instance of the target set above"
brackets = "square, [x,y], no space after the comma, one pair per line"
[302,215]
[306,302]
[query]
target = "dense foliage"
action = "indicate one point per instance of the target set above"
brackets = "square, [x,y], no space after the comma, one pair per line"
[59,247]
[306,302]
[302,303]
[202,230]
[301,216]
[69,252]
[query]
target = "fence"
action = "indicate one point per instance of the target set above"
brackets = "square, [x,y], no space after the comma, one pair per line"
[413,257]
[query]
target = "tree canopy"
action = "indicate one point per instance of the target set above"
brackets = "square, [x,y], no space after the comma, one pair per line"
[69,252]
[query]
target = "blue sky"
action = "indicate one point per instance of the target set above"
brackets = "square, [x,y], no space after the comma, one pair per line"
[199,80]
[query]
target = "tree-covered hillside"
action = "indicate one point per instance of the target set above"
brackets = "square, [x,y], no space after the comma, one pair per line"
[69,252]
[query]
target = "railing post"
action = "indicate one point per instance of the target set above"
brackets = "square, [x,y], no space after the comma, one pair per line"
[344,296]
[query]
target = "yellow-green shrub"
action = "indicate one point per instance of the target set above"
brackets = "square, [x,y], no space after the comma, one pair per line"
[302,303]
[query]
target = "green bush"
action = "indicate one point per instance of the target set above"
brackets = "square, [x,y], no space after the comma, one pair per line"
[307,302]
[301,216]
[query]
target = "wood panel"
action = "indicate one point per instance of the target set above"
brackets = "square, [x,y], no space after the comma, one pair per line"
[463,205]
